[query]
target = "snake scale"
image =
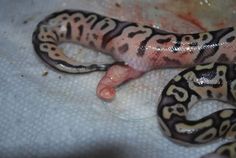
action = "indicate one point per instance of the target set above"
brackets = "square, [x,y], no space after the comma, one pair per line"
[137,49]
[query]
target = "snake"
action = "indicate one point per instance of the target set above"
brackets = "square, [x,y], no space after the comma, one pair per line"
[137,49]
[205,81]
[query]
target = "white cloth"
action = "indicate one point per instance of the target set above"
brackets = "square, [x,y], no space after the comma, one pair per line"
[58,115]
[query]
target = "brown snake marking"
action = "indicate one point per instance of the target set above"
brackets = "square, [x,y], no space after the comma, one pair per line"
[208,81]
[145,48]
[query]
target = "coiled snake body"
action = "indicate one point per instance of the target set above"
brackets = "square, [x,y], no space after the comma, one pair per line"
[138,49]
[208,81]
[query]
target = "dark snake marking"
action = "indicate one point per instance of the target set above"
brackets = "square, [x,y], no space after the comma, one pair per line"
[68,33]
[213,45]
[120,26]
[132,34]
[124,48]
[230,39]
[209,127]
[89,20]
[223,58]
[162,41]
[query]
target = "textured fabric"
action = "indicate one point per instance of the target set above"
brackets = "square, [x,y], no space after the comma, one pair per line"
[46,114]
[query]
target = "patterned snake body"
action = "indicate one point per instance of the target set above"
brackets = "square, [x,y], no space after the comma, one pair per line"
[209,81]
[138,49]
[141,47]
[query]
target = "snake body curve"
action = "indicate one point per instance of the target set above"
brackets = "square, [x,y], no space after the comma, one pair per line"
[207,81]
[141,47]
[144,48]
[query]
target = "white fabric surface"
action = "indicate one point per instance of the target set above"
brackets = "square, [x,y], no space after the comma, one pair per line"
[58,115]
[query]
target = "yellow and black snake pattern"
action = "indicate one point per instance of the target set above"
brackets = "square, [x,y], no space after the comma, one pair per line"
[207,81]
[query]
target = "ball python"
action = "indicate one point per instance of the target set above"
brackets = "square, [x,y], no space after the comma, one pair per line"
[135,48]
[204,81]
